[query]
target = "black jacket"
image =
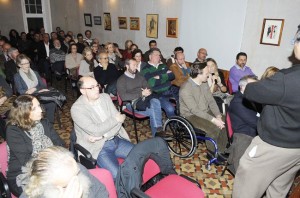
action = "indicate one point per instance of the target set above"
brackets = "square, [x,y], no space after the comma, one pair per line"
[20,146]
[279,123]
[243,117]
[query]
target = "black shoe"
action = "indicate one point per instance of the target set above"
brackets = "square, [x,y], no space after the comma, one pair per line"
[163,135]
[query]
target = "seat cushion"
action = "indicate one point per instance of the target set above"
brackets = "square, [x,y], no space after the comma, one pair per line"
[175,186]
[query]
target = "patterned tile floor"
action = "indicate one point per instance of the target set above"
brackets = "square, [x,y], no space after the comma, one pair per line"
[213,184]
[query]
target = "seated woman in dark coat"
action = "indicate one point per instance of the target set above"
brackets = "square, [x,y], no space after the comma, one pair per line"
[28,81]
[27,134]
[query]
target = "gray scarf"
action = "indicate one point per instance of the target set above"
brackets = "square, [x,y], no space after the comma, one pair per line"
[29,78]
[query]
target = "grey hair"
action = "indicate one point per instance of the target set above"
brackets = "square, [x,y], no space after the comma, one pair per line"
[244,80]
[11,50]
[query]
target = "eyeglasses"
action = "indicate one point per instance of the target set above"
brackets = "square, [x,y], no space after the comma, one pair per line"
[104,58]
[98,85]
[25,63]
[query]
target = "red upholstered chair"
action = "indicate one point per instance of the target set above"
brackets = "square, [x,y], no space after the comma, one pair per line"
[229,86]
[105,177]
[131,114]
[4,190]
[148,172]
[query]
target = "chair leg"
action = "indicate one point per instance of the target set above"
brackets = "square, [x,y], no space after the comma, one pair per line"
[58,117]
[135,129]
[224,169]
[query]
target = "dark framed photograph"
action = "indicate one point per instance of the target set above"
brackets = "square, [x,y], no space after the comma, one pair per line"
[88,19]
[271,31]
[97,20]
[107,21]
[134,23]
[172,27]
[122,22]
[152,25]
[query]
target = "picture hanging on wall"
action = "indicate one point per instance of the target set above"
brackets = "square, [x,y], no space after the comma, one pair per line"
[172,27]
[107,21]
[134,23]
[271,31]
[88,20]
[97,20]
[122,22]
[152,25]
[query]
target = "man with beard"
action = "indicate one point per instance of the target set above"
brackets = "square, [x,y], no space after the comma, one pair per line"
[132,85]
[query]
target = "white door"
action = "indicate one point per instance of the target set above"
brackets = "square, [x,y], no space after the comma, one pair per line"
[36,14]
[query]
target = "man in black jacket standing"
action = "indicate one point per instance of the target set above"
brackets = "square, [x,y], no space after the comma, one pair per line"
[272,160]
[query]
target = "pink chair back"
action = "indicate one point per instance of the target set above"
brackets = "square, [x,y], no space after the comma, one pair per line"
[105,177]
[229,126]
[3,158]
[44,81]
[150,170]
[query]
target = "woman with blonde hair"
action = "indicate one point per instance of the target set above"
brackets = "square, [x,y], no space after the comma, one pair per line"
[27,134]
[88,63]
[270,71]
[55,173]
[114,55]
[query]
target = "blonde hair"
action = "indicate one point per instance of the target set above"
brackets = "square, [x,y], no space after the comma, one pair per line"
[43,169]
[270,71]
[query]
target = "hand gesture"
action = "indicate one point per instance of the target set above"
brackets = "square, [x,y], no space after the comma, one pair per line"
[120,117]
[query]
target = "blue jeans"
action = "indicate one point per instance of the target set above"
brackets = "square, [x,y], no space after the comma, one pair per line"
[154,112]
[111,151]
[167,106]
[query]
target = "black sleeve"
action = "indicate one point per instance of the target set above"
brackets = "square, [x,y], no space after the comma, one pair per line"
[6,87]
[52,134]
[222,77]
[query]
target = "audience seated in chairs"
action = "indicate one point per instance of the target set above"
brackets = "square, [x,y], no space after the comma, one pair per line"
[88,63]
[43,51]
[132,85]
[72,62]
[244,123]
[159,79]
[55,173]
[198,106]
[107,74]
[98,126]
[27,134]
[28,81]
[57,59]
[11,68]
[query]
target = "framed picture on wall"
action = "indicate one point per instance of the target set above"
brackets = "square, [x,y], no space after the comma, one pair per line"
[172,27]
[107,21]
[88,19]
[152,25]
[134,23]
[122,22]
[97,20]
[271,31]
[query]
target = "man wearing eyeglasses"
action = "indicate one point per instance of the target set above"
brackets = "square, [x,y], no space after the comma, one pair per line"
[272,160]
[98,126]
[201,56]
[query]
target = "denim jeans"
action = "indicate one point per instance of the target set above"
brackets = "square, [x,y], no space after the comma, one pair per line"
[167,106]
[111,151]
[154,112]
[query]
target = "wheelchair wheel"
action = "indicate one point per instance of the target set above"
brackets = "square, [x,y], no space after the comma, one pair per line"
[180,137]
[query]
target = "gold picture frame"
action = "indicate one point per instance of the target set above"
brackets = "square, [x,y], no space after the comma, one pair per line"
[122,22]
[172,27]
[271,31]
[152,25]
[107,21]
[134,23]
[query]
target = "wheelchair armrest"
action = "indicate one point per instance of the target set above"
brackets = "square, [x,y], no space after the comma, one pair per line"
[87,159]
[4,189]
[137,193]
[191,180]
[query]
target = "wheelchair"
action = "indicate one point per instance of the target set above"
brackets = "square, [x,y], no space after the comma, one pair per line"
[182,139]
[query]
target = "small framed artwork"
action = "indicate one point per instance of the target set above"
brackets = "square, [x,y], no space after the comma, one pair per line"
[97,20]
[122,22]
[271,31]
[152,25]
[107,21]
[134,23]
[88,20]
[172,27]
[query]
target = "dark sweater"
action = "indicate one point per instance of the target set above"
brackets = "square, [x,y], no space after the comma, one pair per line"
[243,117]
[158,85]
[108,76]
[131,88]
[279,123]
[20,146]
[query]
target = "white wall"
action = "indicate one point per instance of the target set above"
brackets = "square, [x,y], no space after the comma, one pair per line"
[214,25]
[261,56]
